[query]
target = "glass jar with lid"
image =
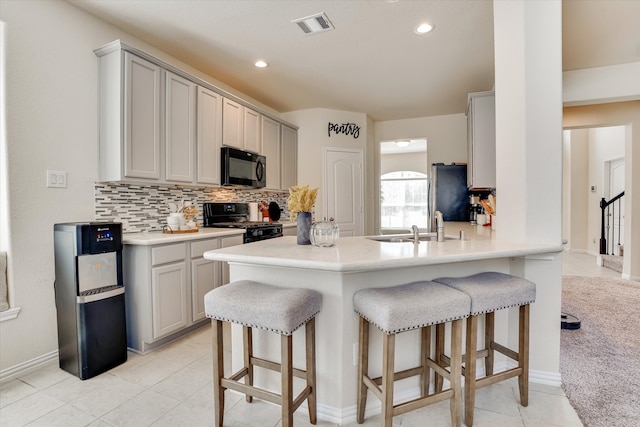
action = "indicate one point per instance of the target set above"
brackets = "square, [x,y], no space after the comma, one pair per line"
[324,233]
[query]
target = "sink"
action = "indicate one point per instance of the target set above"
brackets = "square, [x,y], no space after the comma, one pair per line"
[403,238]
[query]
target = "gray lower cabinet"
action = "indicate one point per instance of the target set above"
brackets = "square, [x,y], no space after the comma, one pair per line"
[165,287]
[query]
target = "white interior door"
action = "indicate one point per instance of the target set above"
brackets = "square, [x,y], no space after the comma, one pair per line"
[344,193]
[616,186]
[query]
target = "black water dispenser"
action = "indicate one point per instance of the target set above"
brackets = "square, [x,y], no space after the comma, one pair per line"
[89,294]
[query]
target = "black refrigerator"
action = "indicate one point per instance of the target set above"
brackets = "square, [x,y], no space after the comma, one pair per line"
[448,192]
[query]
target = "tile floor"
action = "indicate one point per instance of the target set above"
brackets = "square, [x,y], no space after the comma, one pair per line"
[172,387]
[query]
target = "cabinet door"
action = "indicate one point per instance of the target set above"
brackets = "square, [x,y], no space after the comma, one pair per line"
[180,122]
[141,118]
[169,295]
[289,164]
[232,126]
[209,136]
[252,131]
[226,242]
[205,275]
[271,150]
[482,149]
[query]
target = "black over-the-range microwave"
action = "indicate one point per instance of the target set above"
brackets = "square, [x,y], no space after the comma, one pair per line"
[243,168]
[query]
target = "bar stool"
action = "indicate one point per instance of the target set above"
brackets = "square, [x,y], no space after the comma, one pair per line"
[489,292]
[402,308]
[272,308]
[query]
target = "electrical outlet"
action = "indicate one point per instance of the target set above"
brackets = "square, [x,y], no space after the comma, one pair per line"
[56,179]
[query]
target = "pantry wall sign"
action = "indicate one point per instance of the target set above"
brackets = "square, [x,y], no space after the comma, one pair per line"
[344,129]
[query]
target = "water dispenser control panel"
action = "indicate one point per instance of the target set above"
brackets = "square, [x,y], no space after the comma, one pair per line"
[100,237]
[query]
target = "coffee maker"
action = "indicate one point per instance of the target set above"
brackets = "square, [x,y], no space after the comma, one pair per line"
[475,208]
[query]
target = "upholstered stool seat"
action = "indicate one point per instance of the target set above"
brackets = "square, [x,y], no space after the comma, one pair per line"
[489,292]
[275,309]
[397,309]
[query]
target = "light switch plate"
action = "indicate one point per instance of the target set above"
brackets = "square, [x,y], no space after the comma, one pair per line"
[56,179]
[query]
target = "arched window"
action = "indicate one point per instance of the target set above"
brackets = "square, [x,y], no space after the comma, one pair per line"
[404,200]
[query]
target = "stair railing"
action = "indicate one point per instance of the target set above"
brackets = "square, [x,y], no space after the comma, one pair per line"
[608,230]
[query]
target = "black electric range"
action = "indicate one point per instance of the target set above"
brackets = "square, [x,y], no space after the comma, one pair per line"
[236,215]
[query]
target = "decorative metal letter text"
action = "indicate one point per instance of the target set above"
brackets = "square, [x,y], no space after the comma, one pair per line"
[345,128]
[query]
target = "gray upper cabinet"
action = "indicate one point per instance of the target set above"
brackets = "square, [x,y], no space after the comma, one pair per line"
[180,129]
[481,140]
[241,127]
[232,124]
[271,150]
[129,102]
[289,157]
[160,125]
[209,136]
[252,130]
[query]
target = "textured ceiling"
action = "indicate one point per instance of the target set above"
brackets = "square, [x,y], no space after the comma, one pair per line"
[372,62]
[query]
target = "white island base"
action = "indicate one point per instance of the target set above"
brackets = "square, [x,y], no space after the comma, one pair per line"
[357,263]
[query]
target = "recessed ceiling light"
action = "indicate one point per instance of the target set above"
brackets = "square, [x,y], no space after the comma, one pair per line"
[402,143]
[261,64]
[424,28]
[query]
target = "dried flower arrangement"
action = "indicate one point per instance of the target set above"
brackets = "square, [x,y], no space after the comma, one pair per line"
[301,199]
[190,212]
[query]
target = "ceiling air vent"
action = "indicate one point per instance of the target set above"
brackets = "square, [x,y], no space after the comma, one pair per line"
[314,24]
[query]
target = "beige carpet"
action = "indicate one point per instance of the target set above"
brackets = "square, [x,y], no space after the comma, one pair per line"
[600,362]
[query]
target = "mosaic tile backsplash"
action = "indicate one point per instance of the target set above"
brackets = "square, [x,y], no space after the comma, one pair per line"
[145,207]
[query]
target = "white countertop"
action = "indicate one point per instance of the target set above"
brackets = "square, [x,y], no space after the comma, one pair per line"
[158,237]
[352,254]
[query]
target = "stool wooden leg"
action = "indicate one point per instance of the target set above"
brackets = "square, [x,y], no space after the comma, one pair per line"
[388,355]
[456,371]
[425,354]
[286,354]
[438,380]
[470,358]
[523,354]
[363,367]
[247,337]
[489,337]
[218,372]
[310,339]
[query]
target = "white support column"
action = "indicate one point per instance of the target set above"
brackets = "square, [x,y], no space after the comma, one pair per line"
[528,68]
[528,87]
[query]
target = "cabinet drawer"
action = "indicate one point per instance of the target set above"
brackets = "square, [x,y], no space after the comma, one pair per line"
[170,253]
[199,248]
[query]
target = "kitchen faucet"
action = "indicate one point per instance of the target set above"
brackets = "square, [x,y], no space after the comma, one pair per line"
[439,227]
[416,234]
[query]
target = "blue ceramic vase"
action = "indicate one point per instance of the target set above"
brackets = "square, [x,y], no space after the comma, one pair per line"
[304,227]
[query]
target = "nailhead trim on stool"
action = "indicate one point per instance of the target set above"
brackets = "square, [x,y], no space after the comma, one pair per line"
[272,308]
[402,308]
[489,292]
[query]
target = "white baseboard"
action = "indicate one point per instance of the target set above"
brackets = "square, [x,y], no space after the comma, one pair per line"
[27,367]
[348,414]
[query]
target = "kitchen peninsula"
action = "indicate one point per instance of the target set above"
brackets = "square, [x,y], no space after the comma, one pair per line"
[356,263]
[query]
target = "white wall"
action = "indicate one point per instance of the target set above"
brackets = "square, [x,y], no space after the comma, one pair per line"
[404,162]
[446,135]
[575,189]
[313,138]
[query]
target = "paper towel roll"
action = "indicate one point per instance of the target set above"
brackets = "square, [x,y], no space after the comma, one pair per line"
[253,211]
